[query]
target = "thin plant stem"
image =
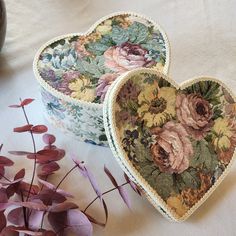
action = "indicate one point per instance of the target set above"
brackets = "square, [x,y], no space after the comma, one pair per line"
[35,162]
[65,176]
[58,185]
[108,191]
[4,177]
[24,210]
[46,178]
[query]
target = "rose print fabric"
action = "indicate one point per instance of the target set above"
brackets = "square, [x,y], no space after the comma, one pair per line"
[180,141]
[84,67]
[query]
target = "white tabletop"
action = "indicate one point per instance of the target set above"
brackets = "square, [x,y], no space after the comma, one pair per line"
[202,35]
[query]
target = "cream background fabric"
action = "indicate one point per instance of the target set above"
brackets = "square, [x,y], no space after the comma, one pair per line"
[202,36]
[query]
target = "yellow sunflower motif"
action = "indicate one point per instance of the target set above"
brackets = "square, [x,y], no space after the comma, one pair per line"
[81,89]
[177,204]
[157,105]
[222,133]
[224,138]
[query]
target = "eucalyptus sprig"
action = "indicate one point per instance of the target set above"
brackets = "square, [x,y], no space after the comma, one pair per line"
[24,205]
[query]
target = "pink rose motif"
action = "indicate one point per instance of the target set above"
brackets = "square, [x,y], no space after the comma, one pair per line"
[104,83]
[126,57]
[172,148]
[195,114]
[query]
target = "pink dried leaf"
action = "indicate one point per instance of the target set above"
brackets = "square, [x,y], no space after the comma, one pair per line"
[5,205]
[20,174]
[19,153]
[26,102]
[32,156]
[10,183]
[49,139]
[60,152]
[93,183]
[72,220]
[3,221]
[9,231]
[35,219]
[65,206]
[80,166]
[2,171]
[47,184]
[22,129]
[25,187]
[124,195]
[110,176]
[15,106]
[39,206]
[48,196]
[29,232]
[39,129]
[16,216]
[3,195]
[11,190]
[4,161]
[53,187]
[47,155]
[79,223]
[93,220]
[133,185]
[47,169]
[86,173]
[64,193]
[14,185]
[58,221]
[105,210]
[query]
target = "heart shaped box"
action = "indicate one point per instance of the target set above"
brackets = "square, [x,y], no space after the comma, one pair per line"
[176,142]
[75,70]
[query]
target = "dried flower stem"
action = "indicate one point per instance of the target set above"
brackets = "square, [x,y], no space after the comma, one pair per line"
[26,218]
[108,191]
[34,147]
[62,180]
[58,185]
[4,177]
[24,210]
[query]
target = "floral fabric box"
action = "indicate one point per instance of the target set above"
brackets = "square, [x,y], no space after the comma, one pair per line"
[177,142]
[76,70]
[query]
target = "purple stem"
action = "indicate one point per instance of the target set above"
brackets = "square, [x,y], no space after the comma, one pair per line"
[4,177]
[74,167]
[108,191]
[58,185]
[35,162]
[34,168]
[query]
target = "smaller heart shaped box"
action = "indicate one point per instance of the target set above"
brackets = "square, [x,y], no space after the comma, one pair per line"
[75,70]
[176,142]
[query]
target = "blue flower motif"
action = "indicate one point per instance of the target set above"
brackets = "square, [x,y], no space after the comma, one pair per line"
[53,105]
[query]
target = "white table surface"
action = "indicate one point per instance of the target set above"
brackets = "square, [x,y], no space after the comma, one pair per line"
[202,34]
